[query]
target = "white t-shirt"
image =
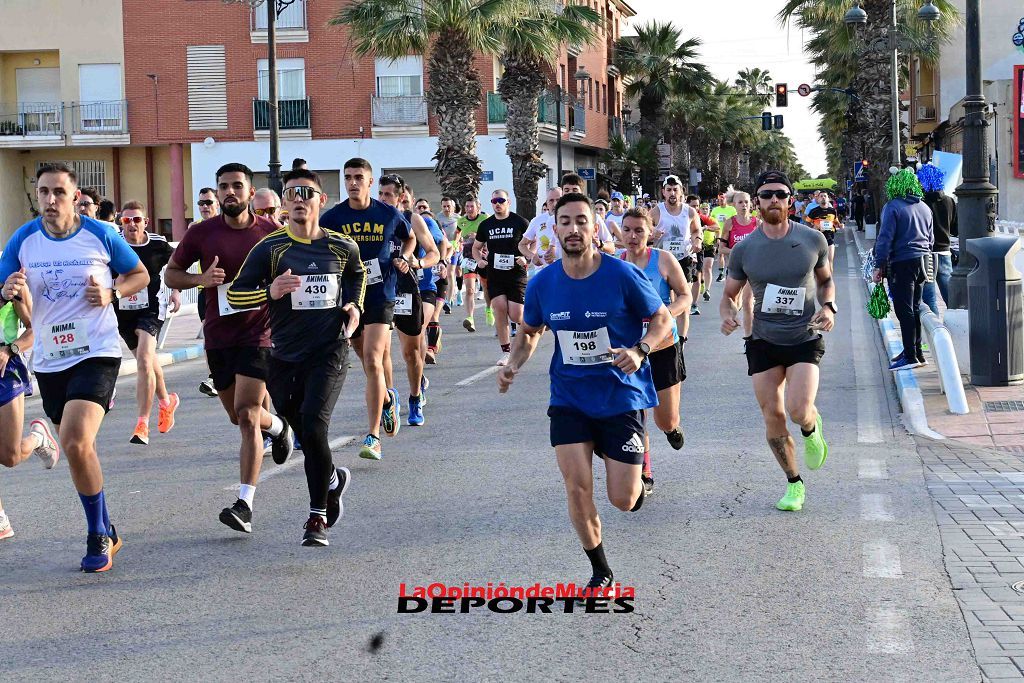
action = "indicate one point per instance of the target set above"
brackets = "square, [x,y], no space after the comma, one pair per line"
[542,232]
[67,328]
[612,218]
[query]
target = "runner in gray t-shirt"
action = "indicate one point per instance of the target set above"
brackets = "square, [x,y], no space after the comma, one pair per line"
[787,266]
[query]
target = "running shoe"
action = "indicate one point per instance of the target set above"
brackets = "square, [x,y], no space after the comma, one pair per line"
[283,445]
[469,325]
[489,316]
[721,275]
[707,295]
[503,361]
[424,385]
[141,434]
[415,412]
[648,482]
[316,532]
[794,498]
[166,419]
[6,531]
[597,582]
[391,416]
[694,310]
[268,444]
[206,387]
[901,363]
[335,505]
[675,438]
[815,448]
[295,443]
[238,517]
[430,358]
[458,299]
[447,308]
[48,449]
[370,450]
[99,551]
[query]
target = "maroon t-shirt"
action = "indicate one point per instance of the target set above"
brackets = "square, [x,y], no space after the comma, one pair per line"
[211,238]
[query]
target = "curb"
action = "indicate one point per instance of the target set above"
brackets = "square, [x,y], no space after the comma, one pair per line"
[907,389]
[129,366]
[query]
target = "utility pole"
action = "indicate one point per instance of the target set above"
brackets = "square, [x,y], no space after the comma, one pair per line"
[274,165]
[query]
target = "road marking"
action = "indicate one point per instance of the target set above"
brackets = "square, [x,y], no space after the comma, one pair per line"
[882,560]
[887,631]
[483,373]
[869,424]
[292,462]
[874,507]
[870,468]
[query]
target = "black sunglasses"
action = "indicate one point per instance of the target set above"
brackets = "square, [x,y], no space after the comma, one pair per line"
[205,202]
[303,192]
[778,194]
[393,179]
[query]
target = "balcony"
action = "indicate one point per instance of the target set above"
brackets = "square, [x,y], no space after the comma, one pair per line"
[923,114]
[290,26]
[577,122]
[497,111]
[33,123]
[292,118]
[99,123]
[399,116]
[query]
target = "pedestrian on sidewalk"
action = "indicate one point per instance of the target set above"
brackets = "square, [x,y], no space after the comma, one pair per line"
[904,242]
[944,222]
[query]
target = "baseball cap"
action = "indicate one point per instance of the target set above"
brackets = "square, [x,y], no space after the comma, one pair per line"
[617,195]
[773,177]
[671,180]
[601,201]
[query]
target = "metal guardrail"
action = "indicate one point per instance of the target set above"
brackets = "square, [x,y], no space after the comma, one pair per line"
[578,118]
[405,110]
[99,118]
[291,114]
[32,118]
[1009,227]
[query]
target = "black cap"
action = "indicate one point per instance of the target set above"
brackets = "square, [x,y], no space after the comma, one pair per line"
[772,177]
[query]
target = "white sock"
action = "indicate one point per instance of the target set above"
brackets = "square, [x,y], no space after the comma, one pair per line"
[247,493]
[276,426]
[335,482]
[39,438]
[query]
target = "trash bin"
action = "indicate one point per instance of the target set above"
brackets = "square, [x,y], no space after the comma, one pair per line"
[995,310]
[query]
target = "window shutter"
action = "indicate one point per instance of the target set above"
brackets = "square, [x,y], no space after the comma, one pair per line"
[207,87]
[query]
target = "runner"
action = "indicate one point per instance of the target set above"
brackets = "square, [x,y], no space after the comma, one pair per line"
[89,203]
[603,237]
[314,282]
[500,235]
[139,319]
[723,211]
[209,206]
[237,342]
[711,230]
[825,219]
[448,219]
[786,264]
[266,203]
[433,284]
[668,369]
[64,260]
[737,228]
[677,231]
[617,210]
[473,271]
[15,385]
[540,243]
[600,378]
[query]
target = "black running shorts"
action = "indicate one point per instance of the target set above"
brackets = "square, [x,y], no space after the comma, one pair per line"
[763,356]
[92,379]
[690,268]
[147,322]
[428,297]
[442,288]
[620,437]
[667,367]
[830,236]
[310,386]
[709,251]
[512,288]
[411,324]
[247,361]
[383,314]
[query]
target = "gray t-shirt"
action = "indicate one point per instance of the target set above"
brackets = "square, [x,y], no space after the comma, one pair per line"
[781,273]
[448,225]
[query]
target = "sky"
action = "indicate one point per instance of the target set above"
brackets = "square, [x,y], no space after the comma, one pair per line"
[739,34]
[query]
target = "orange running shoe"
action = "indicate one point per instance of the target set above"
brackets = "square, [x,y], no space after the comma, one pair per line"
[141,435]
[166,420]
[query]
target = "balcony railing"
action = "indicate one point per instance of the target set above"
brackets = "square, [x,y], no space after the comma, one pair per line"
[924,108]
[100,118]
[497,111]
[578,118]
[614,127]
[32,118]
[406,110]
[291,114]
[293,17]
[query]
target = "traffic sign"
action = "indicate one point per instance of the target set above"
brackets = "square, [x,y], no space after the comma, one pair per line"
[587,173]
[858,171]
[849,185]
[804,90]
[487,176]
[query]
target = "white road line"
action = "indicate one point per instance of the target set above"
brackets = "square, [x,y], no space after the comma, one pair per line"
[292,462]
[483,373]
[887,632]
[871,468]
[869,424]
[882,560]
[874,507]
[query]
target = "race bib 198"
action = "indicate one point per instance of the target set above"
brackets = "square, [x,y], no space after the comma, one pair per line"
[504,261]
[585,348]
[373,274]
[315,292]
[65,340]
[403,304]
[135,302]
[223,307]
[783,300]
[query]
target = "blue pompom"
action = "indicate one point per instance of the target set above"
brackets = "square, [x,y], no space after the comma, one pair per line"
[932,178]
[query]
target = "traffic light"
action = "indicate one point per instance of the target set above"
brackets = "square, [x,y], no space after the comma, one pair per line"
[778,122]
[781,95]
[766,120]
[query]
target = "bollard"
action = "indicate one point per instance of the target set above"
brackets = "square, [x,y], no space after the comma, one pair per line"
[996,312]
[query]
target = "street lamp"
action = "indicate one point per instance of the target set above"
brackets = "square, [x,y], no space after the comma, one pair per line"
[560,99]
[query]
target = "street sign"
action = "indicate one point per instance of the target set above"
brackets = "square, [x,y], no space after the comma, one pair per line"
[849,185]
[487,176]
[664,156]
[587,173]
[858,171]
[804,90]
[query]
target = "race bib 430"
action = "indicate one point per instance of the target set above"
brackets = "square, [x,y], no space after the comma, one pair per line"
[316,291]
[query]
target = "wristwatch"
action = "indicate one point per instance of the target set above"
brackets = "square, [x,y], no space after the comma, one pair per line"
[117,293]
[644,349]
[832,305]
[14,349]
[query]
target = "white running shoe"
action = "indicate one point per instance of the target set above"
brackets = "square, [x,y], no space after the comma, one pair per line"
[5,527]
[48,450]
[503,361]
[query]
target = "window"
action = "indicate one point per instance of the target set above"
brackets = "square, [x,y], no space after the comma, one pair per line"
[99,91]
[604,97]
[291,79]
[590,91]
[402,77]
[91,172]
[293,17]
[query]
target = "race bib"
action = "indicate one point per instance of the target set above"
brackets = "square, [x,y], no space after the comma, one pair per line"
[135,302]
[585,348]
[504,261]
[678,247]
[826,225]
[403,304]
[783,300]
[223,307]
[65,340]
[315,292]
[373,274]
[468,265]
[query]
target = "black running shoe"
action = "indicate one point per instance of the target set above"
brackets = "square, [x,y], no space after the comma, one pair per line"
[238,517]
[335,506]
[283,444]
[447,308]
[721,276]
[707,295]
[316,532]
[99,552]
[648,481]
[675,438]
[598,582]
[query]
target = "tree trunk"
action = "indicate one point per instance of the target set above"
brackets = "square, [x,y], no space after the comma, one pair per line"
[730,165]
[520,87]
[454,96]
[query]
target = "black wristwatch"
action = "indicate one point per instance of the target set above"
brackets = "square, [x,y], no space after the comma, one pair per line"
[832,305]
[644,349]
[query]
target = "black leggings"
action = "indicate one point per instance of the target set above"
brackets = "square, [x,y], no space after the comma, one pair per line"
[906,285]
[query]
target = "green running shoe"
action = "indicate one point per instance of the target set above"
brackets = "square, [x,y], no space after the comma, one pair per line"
[370,449]
[815,448]
[794,498]
[489,316]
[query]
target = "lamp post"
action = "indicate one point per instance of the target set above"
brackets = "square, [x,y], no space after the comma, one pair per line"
[560,99]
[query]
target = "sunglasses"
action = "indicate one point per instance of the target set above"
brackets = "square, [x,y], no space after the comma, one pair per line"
[83,205]
[205,202]
[303,192]
[393,179]
[125,220]
[778,194]
[269,211]
[498,200]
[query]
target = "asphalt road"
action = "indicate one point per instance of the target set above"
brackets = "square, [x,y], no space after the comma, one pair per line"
[727,588]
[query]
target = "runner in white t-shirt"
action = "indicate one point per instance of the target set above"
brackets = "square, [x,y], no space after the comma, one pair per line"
[540,245]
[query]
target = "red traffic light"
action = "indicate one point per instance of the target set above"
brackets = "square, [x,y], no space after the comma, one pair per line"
[781,95]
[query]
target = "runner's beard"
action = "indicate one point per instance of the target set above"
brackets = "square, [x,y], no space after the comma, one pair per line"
[234,210]
[774,215]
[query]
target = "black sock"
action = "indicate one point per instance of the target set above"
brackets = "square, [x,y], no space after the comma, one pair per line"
[793,480]
[808,433]
[598,561]
[506,348]
[640,500]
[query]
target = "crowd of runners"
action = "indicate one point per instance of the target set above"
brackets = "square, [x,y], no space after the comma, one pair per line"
[295,292]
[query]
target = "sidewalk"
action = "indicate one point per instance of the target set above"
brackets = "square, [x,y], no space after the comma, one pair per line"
[180,344]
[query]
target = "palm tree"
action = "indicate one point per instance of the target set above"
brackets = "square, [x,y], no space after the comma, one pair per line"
[451,33]
[531,40]
[626,159]
[756,81]
[660,64]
